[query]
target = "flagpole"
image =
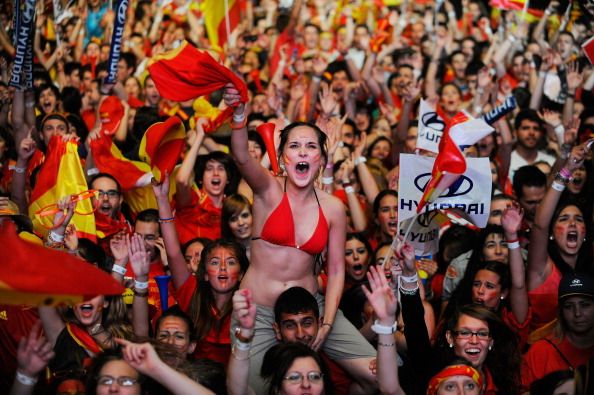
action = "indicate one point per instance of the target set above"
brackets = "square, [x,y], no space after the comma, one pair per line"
[227,22]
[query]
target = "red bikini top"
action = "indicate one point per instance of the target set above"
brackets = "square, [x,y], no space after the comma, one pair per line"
[279,229]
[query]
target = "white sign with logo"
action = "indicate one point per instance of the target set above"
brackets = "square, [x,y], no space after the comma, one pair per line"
[431,127]
[424,233]
[471,192]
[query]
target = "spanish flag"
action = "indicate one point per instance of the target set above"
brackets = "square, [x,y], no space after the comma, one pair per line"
[203,109]
[461,131]
[214,12]
[109,159]
[61,175]
[162,145]
[187,73]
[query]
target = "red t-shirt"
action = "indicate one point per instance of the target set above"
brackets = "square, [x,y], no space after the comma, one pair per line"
[200,218]
[543,300]
[340,378]
[216,345]
[156,268]
[542,358]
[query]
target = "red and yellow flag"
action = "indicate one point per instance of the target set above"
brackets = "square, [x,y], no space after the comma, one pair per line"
[214,19]
[162,145]
[61,175]
[109,159]
[187,73]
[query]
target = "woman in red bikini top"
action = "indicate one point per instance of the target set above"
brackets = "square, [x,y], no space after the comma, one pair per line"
[292,221]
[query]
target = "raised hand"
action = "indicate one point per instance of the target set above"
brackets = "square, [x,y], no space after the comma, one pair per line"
[119,250]
[27,147]
[34,352]
[406,254]
[141,357]
[574,77]
[66,207]
[161,190]
[381,297]
[139,257]
[511,219]
[553,118]
[232,98]
[71,238]
[327,100]
[244,308]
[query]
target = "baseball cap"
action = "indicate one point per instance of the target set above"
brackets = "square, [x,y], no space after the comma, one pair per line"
[576,284]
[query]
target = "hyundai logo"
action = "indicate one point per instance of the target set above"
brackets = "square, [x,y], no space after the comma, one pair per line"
[425,219]
[433,121]
[462,186]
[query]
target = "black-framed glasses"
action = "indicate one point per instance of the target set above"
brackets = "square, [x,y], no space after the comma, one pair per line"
[112,193]
[297,377]
[467,334]
[123,381]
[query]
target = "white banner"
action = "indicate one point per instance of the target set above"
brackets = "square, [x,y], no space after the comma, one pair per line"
[471,193]
[424,234]
[431,127]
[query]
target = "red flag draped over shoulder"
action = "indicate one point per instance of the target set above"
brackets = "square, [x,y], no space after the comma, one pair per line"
[61,175]
[187,73]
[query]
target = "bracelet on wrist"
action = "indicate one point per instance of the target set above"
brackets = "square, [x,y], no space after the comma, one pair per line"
[118,269]
[557,186]
[327,324]
[25,379]
[242,339]
[328,180]
[53,236]
[140,293]
[167,220]
[410,279]
[19,170]
[513,245]
[383,329]
[140,285]
[386,344]
[92,171]
[359,160]
[349,189]
[236,346]
[330,165]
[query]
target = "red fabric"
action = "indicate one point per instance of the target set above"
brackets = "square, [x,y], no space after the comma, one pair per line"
[283,38]
[110,226]
[89,117]
[544,300]
[15,322]
[450,371]
[111,112]
[185,292]
[542,359]
[82,338]
[188,73]
[521,329]
[198,219]
[279,229]
[162,145]
[588,47]
[340,378]
[46,178]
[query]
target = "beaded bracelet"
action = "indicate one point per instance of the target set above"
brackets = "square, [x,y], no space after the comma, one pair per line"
[386,344]
[166,220]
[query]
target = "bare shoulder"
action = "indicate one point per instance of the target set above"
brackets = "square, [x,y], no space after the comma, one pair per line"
[330,203]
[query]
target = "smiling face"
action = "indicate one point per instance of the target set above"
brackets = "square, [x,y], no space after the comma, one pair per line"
[387,216]
[381,150]
[486,289]
[470,346]
[214,178]
[297,328]
[569,230]
[302,155]
[495,248]
[223,271]
[356,259]
[241,224]
[88,313]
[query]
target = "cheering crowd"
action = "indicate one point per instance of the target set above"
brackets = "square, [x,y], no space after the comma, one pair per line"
[236,167]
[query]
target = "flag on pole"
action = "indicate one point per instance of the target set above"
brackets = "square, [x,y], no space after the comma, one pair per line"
[61,175]
[450,163]
[588,48]
[218,22]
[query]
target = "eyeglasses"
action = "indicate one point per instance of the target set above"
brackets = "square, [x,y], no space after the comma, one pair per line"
[466,334]
[112,193]
[123,381]
[297,378]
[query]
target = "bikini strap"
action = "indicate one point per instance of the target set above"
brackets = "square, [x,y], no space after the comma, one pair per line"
[316,195]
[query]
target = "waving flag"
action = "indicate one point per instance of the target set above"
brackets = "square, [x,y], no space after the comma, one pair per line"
[34,275]
[450,163]
[220,18]
[187,73]
[61,175]
[162,145]
[109,159]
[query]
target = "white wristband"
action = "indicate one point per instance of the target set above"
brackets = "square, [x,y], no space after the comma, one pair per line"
[19,170]
[360,160]
[238,118]
[411,279]
[119,269]
[382,329]
[513,245]
[559,129]
[558,186]
[242,346]
[53,236]
[327,180]
[92,171]
[24,379]
[141,284]
[349,189]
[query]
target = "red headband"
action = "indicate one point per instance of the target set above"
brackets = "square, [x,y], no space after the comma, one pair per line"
[450,371]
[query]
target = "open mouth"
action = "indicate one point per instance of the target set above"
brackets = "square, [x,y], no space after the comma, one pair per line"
[105,209]
[576,181]
[302,167]
[572,239]
[47,106]
[223,277]
[473,352]
[215,181]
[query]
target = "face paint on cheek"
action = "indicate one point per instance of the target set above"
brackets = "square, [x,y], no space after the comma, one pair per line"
[559,229]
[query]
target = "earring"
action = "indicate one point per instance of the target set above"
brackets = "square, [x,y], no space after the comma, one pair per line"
[281,165]
[451,345]
[501,297]
[490,348]
[551,237]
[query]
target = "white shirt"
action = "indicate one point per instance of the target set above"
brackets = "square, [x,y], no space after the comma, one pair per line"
[517,161]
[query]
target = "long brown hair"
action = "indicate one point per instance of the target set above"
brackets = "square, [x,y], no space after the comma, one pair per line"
[203,310]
